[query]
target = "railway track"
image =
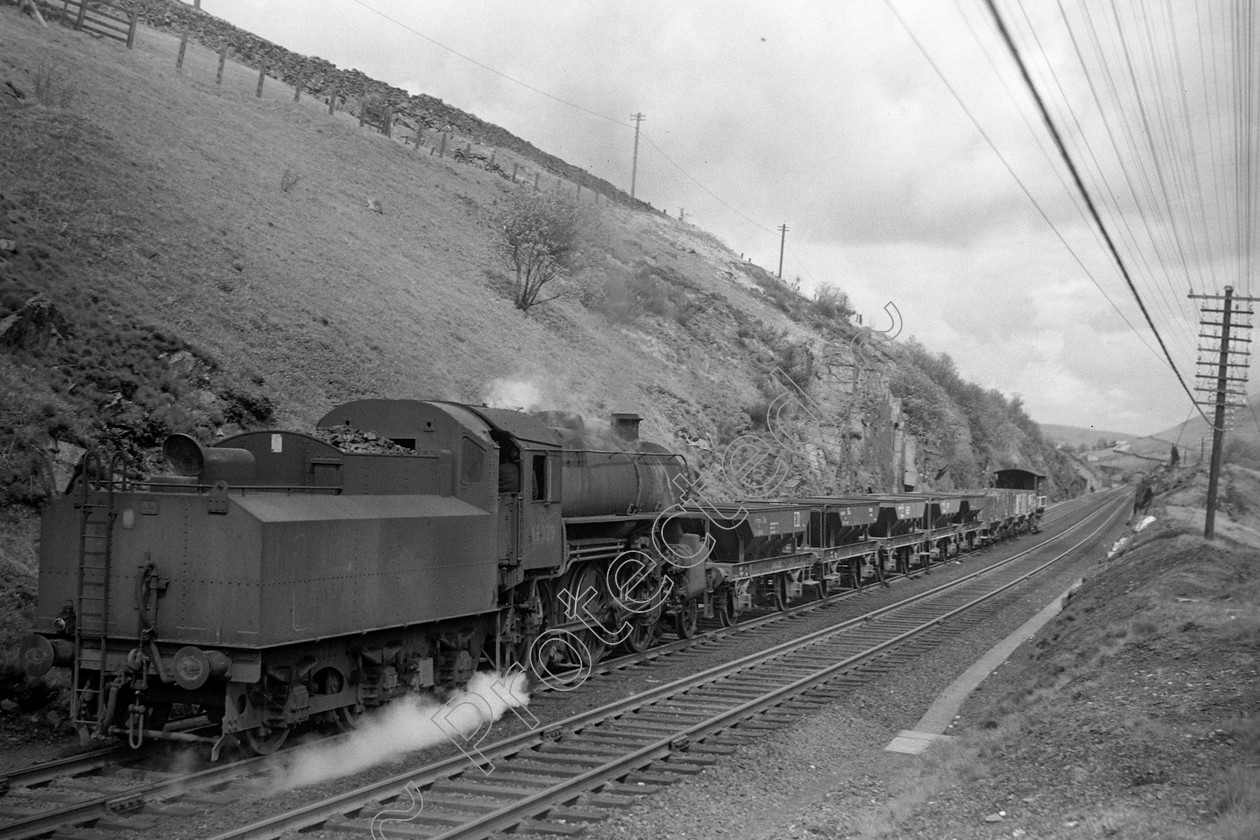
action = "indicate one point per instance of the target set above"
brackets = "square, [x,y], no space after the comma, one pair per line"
[117,789]
[552,779]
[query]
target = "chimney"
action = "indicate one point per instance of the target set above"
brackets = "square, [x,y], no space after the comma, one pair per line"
[627,426]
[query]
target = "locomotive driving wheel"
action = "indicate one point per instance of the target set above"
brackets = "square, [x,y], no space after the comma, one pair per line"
[589,603]
[643,634]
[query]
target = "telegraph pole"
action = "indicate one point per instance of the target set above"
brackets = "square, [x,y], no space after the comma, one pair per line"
[783,229]
[1226,393]
[634,166]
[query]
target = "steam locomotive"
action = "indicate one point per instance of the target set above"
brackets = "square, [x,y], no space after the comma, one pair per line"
[278,578]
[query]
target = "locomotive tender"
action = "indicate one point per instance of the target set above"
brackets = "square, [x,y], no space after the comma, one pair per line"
[277,578]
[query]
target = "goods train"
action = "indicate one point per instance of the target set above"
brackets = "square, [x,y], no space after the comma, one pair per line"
[277,578]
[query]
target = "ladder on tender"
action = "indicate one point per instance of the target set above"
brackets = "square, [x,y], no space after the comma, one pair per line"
[97,511]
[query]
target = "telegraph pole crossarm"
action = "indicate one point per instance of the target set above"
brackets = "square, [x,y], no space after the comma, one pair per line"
[1226,397]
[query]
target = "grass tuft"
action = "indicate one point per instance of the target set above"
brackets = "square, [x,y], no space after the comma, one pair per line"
[52,89]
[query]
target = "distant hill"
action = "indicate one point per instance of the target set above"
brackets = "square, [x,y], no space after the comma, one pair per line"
[1242,437]
[1114,456]
[1076,436]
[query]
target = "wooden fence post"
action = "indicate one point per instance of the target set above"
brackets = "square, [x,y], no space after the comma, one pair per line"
[419,138]
[183,45]
[262,74]
[131,31]
[442,151]
[223,54]
[389,122]
[515,167]
[332,101]
[297,88]
[536,174]
[78,19]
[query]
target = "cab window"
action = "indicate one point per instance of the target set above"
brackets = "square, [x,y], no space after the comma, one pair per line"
[472,462]
[540,478]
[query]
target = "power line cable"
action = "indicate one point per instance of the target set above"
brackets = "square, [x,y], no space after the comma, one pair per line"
[488,68]
[565,102]
[708,191]
[1098,176]
[940,75]
[1058,141]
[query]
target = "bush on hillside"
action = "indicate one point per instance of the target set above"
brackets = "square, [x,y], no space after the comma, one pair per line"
[626,297]
[540,237]
[832,307]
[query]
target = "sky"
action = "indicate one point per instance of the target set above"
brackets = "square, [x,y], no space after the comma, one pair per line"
[900,146]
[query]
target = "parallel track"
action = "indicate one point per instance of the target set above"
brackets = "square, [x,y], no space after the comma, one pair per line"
[568,771]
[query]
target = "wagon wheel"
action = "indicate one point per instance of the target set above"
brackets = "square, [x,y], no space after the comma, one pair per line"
[821,586]
[686,619]
[855,572]
[777,598]
[264,740]
[725,607]
[330,681]
[348,717]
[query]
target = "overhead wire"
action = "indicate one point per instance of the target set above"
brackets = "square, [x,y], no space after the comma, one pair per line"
[644,135]
[1146,200]
[488,68]
[1037,205]
[1067,159]
[1098,175]
[1032,132]
[1163,138]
